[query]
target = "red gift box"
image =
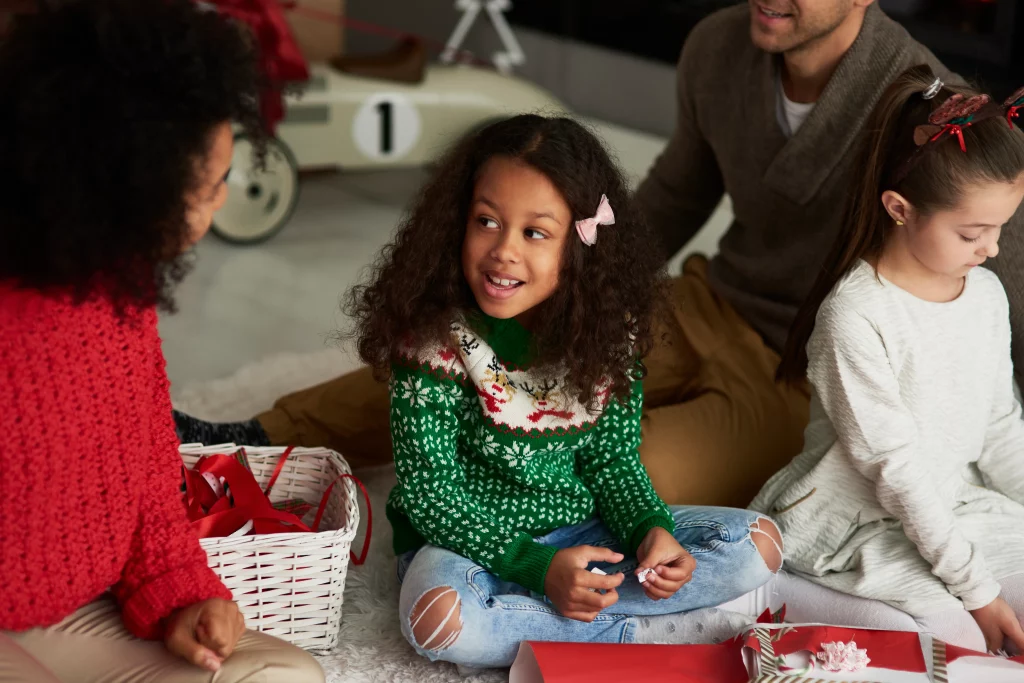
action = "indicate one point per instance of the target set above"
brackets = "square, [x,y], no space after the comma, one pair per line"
[770,653]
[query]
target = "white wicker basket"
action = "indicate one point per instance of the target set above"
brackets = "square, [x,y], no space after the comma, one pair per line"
[290,585]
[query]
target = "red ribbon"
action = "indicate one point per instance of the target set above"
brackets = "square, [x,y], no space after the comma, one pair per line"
[1013,113]
[369,514]
[218,516]
[277,470]
[897,650]
[953,129]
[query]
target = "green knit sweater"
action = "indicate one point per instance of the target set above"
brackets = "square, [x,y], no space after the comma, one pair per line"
[490,454]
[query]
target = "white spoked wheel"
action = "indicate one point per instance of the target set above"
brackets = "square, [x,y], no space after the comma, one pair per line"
[259,202]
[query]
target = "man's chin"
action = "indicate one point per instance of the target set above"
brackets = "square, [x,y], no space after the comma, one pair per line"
[774,45]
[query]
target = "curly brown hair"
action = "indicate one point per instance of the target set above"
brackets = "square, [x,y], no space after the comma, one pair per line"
[108,106]
[600,320]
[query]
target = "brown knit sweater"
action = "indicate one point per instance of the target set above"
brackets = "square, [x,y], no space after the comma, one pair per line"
[787,194]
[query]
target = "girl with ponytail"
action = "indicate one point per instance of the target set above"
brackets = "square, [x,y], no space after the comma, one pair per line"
[910,488]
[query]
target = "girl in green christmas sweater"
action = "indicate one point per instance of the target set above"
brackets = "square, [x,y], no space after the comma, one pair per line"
[510,312]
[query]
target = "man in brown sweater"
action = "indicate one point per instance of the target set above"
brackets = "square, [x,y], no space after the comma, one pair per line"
[772,98]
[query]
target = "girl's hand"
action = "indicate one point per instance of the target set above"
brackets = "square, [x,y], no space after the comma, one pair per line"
[998,623]
[205,633]
[573,590]
[672,565]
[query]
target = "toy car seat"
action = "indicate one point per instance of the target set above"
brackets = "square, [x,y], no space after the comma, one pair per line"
[405,62]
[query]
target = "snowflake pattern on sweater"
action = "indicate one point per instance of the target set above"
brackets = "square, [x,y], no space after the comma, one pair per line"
[490,455]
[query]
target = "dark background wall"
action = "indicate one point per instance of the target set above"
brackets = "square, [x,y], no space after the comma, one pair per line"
[613,59]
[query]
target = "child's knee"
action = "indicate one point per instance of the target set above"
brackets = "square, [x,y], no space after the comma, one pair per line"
[956,627]
[435,621]
[767,538]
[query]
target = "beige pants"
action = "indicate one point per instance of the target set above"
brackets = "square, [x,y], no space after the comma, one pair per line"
[93,646]
[716,424]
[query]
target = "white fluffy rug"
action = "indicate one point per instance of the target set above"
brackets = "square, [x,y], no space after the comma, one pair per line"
[371,647]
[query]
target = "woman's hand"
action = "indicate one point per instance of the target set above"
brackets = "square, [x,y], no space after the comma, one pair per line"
[998,623]
[673,566]
[205,633]
[573,590]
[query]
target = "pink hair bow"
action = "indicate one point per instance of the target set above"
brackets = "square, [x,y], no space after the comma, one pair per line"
[587,228]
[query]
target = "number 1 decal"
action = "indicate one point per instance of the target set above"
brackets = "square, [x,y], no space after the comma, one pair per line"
[386,127]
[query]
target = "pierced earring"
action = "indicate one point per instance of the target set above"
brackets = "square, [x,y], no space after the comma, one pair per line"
[899,222]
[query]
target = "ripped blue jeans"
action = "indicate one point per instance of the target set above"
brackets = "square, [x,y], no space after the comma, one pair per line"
[485,624]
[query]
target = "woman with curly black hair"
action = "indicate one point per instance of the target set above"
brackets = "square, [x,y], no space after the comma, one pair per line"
[510,313]
[115,140]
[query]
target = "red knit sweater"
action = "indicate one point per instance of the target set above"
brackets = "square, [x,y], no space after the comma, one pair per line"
[89,468]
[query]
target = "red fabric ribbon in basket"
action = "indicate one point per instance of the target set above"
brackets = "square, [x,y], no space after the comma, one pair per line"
[214,513]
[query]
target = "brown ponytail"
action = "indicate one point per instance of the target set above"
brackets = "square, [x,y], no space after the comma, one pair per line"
[995,152]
